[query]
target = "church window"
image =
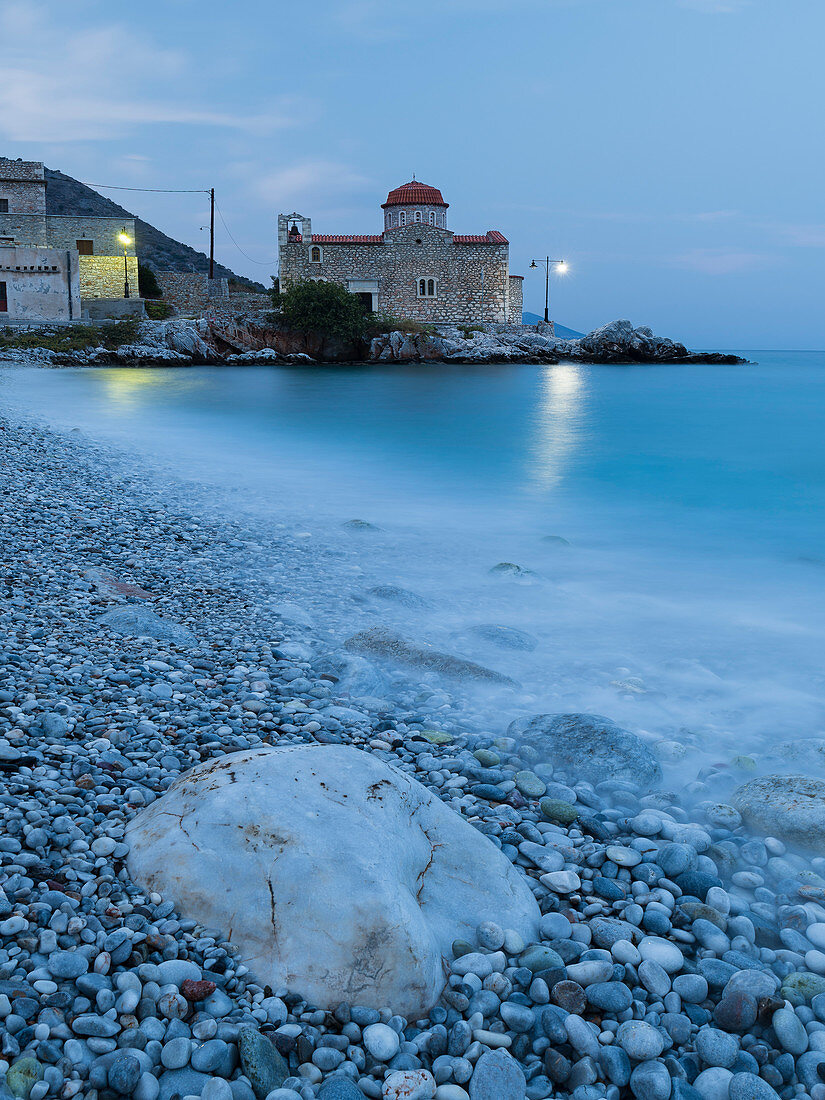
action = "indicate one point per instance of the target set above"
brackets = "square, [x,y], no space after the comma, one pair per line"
[315,255]
[403,217]
[4,206]
[427,288]
[418,215]
[431,288]
[432,217]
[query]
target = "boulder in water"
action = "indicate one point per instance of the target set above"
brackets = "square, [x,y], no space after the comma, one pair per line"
[380,642]
[338,875]
[791,807]
[506,637]
[590,747]
[402,596]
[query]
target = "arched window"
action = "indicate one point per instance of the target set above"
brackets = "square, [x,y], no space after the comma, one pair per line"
[431,288]
[315,254]
[403,217]
[432,217]
[418,215]
[422,288]
[428,288]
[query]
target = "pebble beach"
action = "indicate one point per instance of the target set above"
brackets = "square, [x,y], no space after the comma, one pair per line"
[677,952]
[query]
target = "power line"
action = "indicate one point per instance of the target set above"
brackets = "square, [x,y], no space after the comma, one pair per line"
[260,263]
[186,191]
[156,190]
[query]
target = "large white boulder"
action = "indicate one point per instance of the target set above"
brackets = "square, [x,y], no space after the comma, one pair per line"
[338,875]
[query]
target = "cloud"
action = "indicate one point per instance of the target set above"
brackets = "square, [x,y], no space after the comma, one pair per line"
[63,84]
[309,181]
[720,261]
[801,235]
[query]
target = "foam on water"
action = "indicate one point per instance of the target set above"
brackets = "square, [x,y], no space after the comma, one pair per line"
[688,605]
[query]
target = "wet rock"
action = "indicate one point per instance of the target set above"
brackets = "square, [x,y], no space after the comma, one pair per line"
[138,621]
[380,642]
[589,746]
[788,806]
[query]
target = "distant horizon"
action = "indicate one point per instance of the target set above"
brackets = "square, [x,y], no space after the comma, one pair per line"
[665,185]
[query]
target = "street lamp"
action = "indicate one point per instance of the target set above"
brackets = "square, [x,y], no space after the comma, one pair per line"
[561,267]
[125,240]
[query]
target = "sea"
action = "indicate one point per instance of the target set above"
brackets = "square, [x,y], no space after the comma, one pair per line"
[655,533]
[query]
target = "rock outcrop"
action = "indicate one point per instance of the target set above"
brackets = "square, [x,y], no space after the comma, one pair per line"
[616,342]
[338,875]
[253,338]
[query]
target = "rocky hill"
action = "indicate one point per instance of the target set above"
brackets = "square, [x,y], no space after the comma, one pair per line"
[65,195]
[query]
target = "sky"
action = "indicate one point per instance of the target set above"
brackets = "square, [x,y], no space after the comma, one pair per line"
[671,151]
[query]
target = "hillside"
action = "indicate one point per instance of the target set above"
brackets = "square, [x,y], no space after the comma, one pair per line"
[562,331]
[65,195]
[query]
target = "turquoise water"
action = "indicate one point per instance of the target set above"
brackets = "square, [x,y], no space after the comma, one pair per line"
[693,499]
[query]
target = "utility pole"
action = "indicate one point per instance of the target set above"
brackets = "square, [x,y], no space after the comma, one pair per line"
[211,233]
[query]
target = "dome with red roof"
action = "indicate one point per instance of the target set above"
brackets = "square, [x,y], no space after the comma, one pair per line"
[413,194]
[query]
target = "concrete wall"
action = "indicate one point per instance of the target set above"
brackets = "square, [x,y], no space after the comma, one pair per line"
[42,284]
[472,279]
[113,309]
[22,183]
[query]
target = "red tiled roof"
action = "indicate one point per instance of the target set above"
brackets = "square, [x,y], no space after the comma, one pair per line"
[492,236]
[345,238]
[415,192]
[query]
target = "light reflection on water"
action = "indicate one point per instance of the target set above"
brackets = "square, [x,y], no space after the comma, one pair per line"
[558,423]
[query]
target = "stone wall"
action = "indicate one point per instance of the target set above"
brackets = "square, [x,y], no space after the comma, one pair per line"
[23,185]
[64,231]
[189,291]
[516,299]
[104,277]
[472,280]
[41,285]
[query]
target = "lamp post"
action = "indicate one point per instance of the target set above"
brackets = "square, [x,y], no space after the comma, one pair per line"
[125,240]
[561,267]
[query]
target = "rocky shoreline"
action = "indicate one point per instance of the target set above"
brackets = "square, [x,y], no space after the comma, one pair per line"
[257,339]
[624,941]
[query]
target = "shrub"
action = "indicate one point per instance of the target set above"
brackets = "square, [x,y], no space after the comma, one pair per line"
[324,308]
[468,330]
[73,337]
[379,323]
[158,311]
[148,286]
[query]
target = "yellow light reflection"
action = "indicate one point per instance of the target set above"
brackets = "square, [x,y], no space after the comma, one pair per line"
[128,387]
[556,424]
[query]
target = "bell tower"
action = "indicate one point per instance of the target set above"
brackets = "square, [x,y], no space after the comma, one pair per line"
[292,227]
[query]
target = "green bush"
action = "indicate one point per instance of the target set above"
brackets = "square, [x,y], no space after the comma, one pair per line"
[73,337]
[158,311]
[379,323]
[324,308]
[148,286]
[468,330]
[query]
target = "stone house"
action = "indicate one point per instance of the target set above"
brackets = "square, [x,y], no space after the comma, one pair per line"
[416,269]
[87,251]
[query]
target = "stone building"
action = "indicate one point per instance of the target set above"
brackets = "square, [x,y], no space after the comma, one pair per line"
[86,249]
[416,269]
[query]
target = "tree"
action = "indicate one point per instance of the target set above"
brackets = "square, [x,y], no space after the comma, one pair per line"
[148,286]
[324,308]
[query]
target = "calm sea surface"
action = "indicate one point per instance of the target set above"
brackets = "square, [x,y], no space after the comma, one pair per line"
[690,602]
